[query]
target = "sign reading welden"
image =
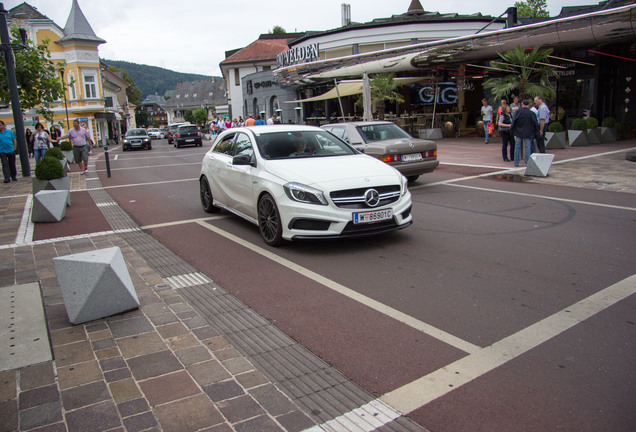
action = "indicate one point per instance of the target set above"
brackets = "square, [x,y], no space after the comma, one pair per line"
[297,54]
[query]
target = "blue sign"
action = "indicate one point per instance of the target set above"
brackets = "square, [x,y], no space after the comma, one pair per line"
[424,94]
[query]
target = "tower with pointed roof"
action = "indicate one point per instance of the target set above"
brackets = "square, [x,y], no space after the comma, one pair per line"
[77,46]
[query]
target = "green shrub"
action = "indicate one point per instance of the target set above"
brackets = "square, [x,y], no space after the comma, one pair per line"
[54,152]
[555,127]
[66,146]
[48,168]
[579,124]
[609,122]
[592,123]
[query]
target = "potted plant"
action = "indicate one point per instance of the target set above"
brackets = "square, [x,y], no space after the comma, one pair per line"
[593,132]
[67,150]
[609,132]
[56,153]
[449,126]
[555,136]
[50,175]
[577,134]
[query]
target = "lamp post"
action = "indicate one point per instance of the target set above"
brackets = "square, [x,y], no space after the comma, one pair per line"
[68,127]
[9,61]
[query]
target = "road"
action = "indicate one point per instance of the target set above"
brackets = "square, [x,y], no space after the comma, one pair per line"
[508,305]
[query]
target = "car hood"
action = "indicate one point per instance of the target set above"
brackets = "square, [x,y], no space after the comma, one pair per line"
[332,172]
[400,145]
[136,137]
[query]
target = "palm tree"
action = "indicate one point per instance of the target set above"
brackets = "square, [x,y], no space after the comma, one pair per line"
[529,74]
[384,88]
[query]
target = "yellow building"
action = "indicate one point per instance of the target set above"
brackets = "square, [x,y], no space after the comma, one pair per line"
[76,45]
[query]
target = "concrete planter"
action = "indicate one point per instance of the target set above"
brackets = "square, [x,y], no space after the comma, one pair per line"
[68,154]
[594,136]
[609,134]
[555,140]
[430,134]
[577,138]
[65,165]
[449,129]
[48,206]
[63,183]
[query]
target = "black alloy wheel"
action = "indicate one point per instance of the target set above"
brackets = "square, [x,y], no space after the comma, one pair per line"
[207,201]
[269,223]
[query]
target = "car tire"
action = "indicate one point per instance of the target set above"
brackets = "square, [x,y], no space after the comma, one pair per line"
[178,145]
[207,200]
[269,223]
[412,178]
[149,147]
[123,148]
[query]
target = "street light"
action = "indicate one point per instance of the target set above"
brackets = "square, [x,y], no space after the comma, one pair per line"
[9,61]
[68,127]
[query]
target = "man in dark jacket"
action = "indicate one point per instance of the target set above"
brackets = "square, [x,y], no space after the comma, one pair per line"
[524,128]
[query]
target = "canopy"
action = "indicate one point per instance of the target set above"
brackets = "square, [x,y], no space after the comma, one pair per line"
[351,87]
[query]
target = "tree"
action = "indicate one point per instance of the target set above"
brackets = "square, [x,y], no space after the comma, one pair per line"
[141,118]
[200,116]
[38,77]
[532,8]
[134,92]
[384,88]
[188,115]
[529,74]
[278,30]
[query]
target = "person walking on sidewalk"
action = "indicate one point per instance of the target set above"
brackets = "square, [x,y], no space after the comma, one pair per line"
[543,116]
[486,113]
[80,138]
[524,128]
[41,141]
[8,144]
[505,121]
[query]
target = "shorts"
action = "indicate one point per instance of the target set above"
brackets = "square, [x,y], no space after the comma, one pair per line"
[80,153]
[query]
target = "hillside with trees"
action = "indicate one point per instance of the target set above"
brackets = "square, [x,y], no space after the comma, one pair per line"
[153,79]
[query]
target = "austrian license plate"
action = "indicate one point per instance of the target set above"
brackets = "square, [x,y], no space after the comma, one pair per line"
[413,157]
[190,140]
[373,216]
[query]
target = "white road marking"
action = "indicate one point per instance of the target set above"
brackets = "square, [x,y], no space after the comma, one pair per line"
[25,231]
[187,280]
[366,418]
[143,184]
[185,221]
[424,390]
[343,290]
[75,237]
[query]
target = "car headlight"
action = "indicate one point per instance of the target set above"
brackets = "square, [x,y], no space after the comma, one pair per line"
[146,139]
[304,194]
[405,183]
[125,141]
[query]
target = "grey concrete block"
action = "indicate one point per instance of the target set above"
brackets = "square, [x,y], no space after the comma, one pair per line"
[577,138]
[95,284]
[539,164]
[555,140]
[609,134]
[68,154]
[63,183]
[49,205]
[594,136]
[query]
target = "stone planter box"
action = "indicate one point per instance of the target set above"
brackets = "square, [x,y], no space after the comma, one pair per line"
[555,140]
[608,134]
[449,129]
[63,183]
[594,136]
[68,154]
[577,138]
[49,206]
[430,134]
[65,165]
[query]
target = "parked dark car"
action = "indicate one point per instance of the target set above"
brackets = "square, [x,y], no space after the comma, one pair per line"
[386,141]
[187,135]
[171,130]
[136,139]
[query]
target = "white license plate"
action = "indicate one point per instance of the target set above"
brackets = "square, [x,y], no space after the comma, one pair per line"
[190,140]
[373,216]
[413,157]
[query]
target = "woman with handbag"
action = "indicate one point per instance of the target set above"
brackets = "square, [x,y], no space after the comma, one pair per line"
[505,121]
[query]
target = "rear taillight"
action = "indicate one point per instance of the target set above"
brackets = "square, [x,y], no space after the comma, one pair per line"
[390,158]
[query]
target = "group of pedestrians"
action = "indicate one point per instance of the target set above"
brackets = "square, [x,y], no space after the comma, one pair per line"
[518,124]
[39,142]
[222,124]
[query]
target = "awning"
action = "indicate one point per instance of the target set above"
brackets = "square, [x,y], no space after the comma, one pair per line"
[108,116]
[349,88]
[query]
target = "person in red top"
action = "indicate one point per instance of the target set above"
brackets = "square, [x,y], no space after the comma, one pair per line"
[250,120]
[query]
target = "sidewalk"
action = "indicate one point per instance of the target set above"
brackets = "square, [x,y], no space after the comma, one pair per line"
[193,357]
[179,363]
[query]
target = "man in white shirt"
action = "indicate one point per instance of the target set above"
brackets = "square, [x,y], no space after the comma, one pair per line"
[486,112]
[270,121]
[543,116]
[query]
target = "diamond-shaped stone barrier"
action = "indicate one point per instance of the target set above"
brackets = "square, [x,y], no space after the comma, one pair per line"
[95,284]
[539,164]
[49,205]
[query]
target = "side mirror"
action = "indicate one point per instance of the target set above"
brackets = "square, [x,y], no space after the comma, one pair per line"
[243,159]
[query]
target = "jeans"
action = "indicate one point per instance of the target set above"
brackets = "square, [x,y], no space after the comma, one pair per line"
[8,165]
[527,144]
[507,140]
[38,154]
[486,130]
[540,143]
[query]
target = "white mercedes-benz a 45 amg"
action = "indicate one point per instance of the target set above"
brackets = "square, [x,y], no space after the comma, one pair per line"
[301,182]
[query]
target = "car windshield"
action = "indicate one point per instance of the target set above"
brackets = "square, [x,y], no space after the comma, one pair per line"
[381,132]
[188,129]
[301,144]
[136,132]
[153,130]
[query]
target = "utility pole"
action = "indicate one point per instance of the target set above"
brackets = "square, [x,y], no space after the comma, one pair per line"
[9,61]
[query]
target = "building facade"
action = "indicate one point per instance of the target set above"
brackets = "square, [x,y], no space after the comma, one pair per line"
[78,47]
[151,112]
[209,94]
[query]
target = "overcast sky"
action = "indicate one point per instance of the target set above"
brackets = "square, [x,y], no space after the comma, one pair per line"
[193,35]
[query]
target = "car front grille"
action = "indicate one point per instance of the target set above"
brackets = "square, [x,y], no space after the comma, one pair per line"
[354,198]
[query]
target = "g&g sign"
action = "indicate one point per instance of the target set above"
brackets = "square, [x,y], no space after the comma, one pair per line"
[425,94]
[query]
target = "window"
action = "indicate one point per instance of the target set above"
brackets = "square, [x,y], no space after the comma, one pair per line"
[108,101]
[90,88]
[194,95]
[237,77]
[243,145]
[71,87]
[226,146]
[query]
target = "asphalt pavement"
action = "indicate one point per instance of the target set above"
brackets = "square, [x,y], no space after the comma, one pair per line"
[192,357]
